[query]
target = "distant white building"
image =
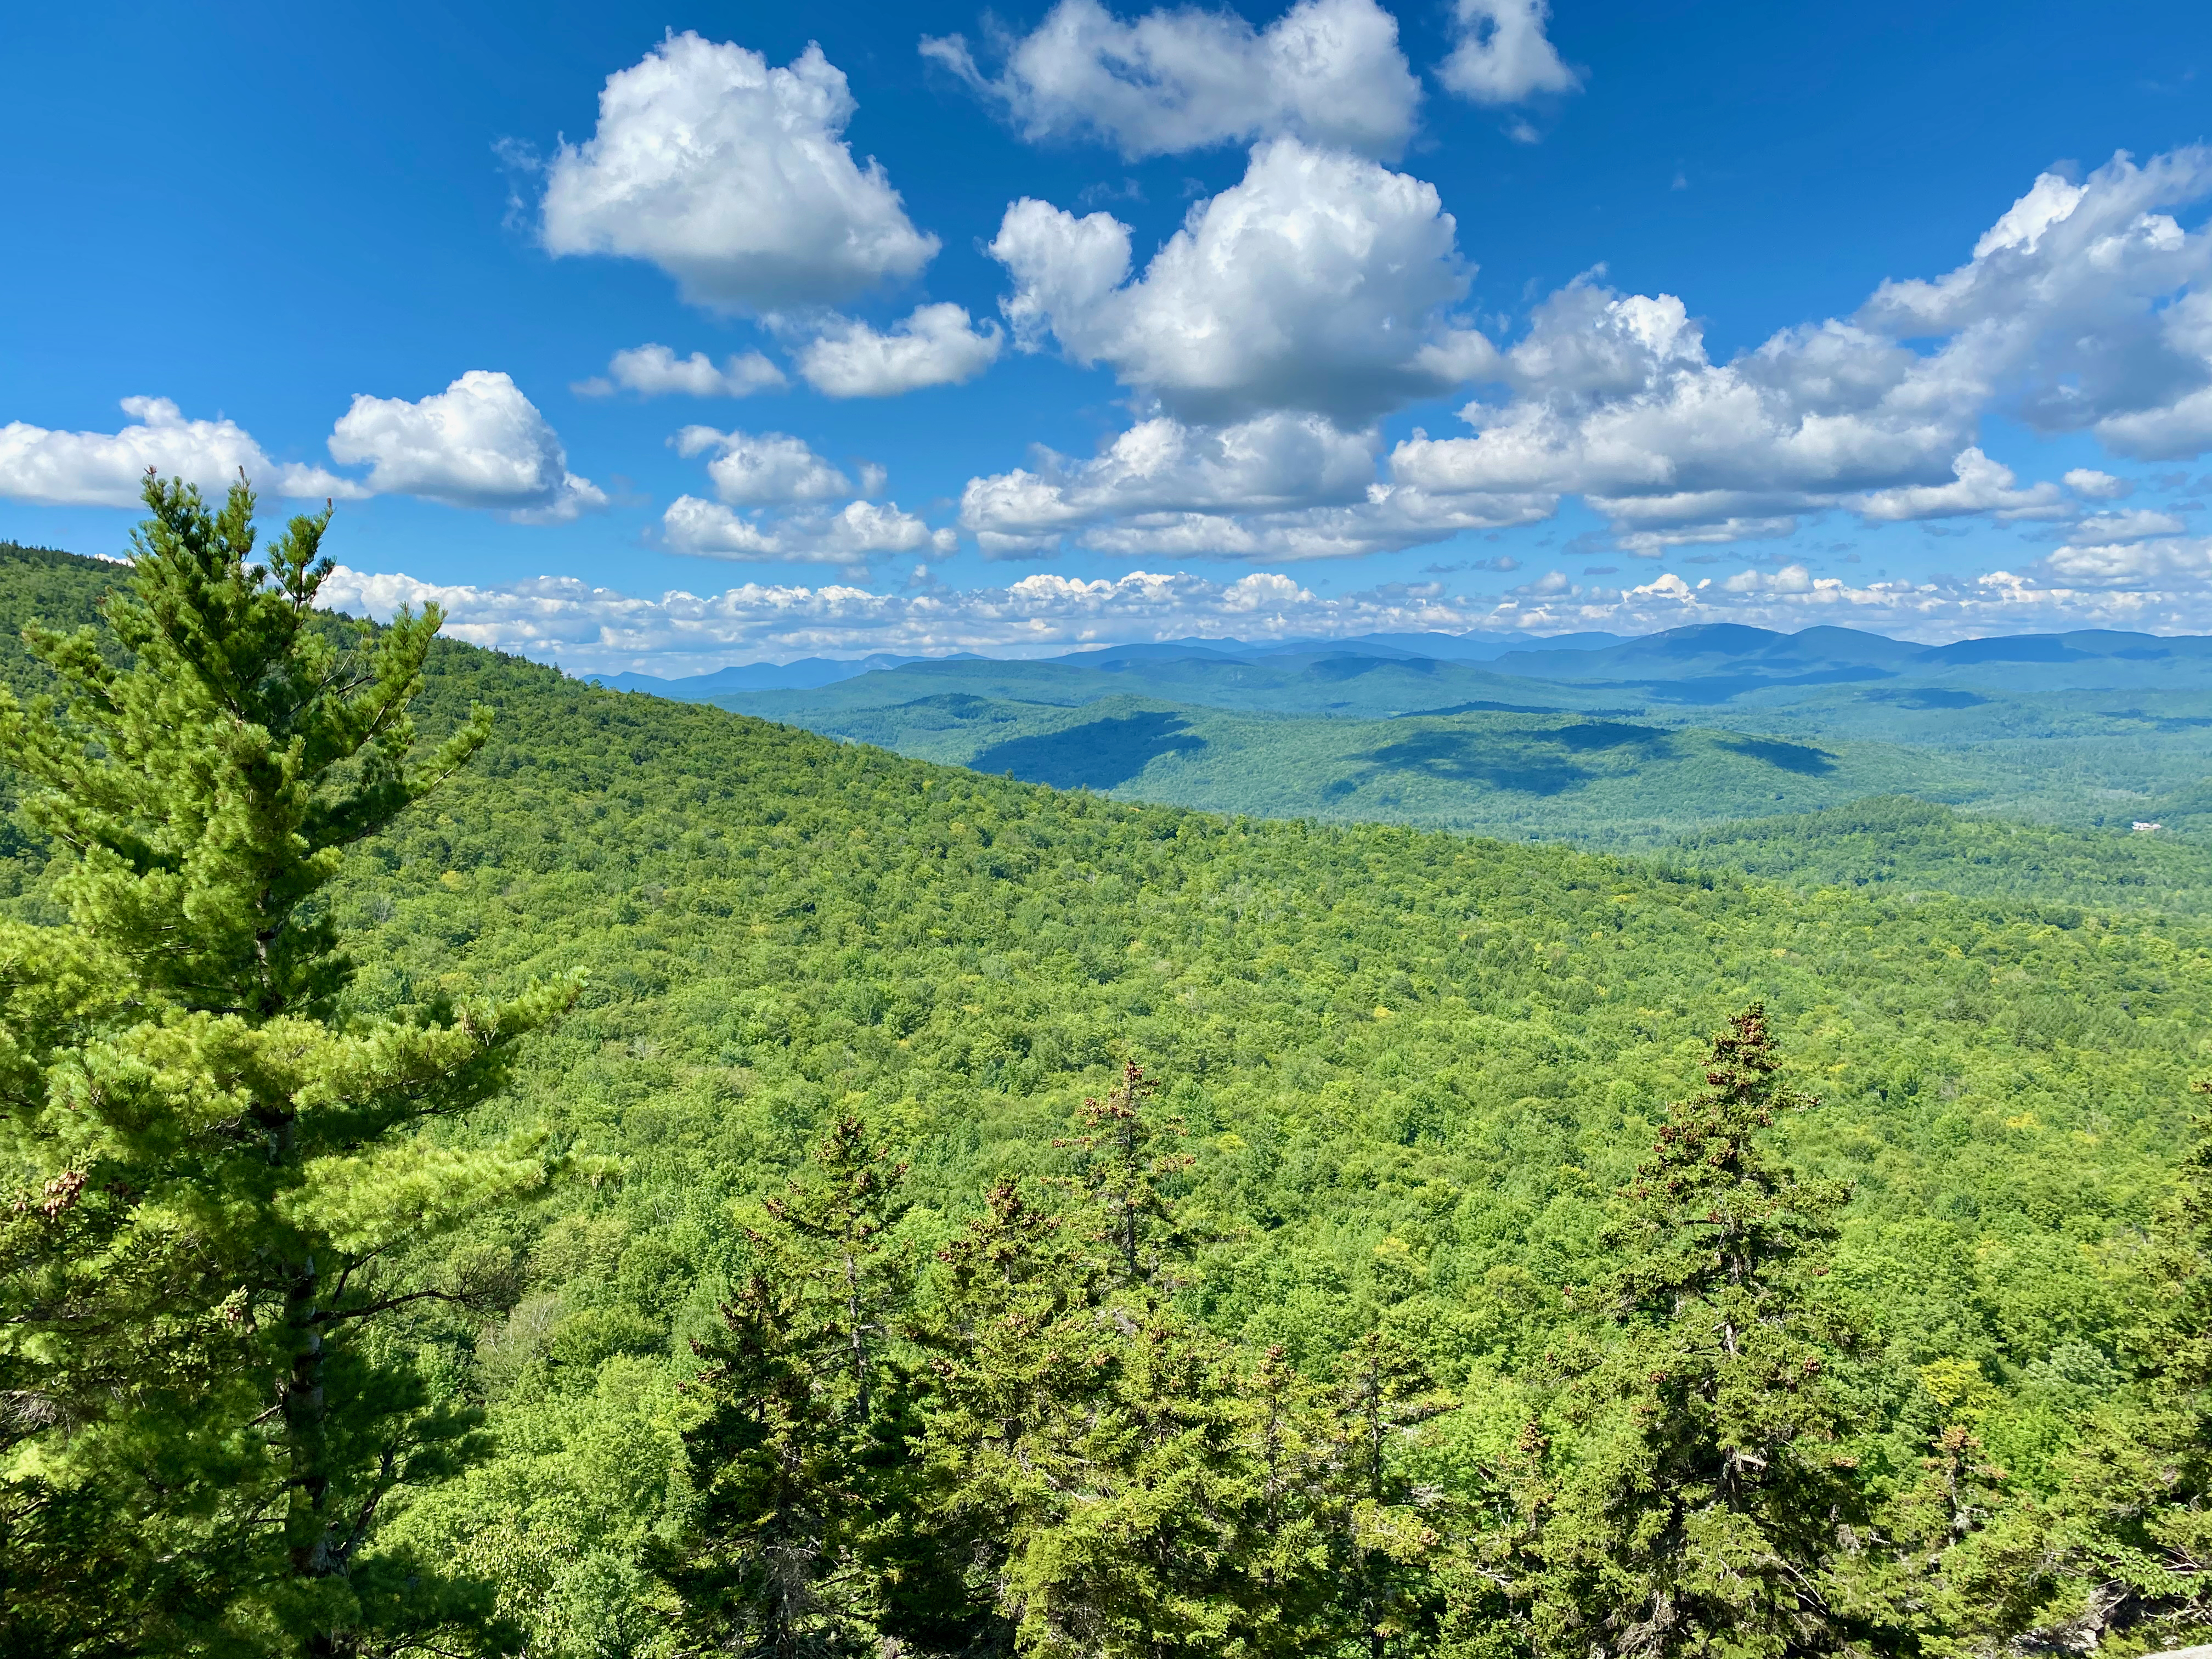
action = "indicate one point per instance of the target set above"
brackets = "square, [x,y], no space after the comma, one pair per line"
[2143,828]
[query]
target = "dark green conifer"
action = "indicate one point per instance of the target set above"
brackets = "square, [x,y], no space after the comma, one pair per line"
[1392,1536]
[801,1458]
[1082,1427]
[1707,1508]
[1119,1167]
[215,1187]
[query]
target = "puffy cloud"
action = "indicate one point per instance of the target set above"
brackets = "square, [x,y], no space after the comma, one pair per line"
[1503,56]
[2074,312]
[479,443]
[2138,526]
[935,346]
[763,469]
[107,469]
[1790,579]
[2173,563]
[2181,425]
[851,537]
[2097,486]
[2079,308]
[652,371]
[1980,486]
[734,179]
[2164,587]
[1320,283]
[1280,487]
[1617,400]
[1327,71]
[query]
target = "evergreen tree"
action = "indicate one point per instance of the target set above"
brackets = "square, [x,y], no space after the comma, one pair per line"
[1120,1167]
[1978,1564]
[1294,1533]
[1391,1536]
[1706,1508]
[1091,1440]
[2135,1510]
[216,1189]
[801,1458]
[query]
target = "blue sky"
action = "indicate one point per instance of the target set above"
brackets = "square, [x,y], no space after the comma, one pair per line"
[1085,323]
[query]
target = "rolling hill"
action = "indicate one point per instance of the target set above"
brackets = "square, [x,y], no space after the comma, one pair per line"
[1413,1065]
[1625,745]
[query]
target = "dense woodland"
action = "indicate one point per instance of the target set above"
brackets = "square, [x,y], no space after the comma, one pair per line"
[1624,748]
[588,1176]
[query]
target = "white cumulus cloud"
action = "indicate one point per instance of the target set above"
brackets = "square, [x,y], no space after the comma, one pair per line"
[1321,281]
[1171,81]
[2158,587]
[2170,563]
[2138,526]
[1281,486]
[107,469]
[2082,308]
[2097,486]
[937,345]
[479,443]
[762,469]
[2076,312]
[851,537]
[1503,55]
[654,371]
[758,472]
[734,179]
[1980,486]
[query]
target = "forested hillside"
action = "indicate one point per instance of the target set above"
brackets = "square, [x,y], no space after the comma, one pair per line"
[1905,846]
[1623,747]
[1415,1068]
[1415,1072]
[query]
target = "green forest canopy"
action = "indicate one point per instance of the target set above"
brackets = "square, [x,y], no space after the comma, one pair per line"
[1414,1069]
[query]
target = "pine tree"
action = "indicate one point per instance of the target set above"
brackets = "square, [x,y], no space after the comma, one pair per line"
[1295,1531]
[1088,1437]
[1706,1508]
[801,1457]
[215,1181]
[1977,1562]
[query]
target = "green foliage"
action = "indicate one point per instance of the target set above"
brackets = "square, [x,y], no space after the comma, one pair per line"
[801,1456]
[1412,1066]
[214,1189]
[1702,725]
[1904,846]
[1085,1436]
[1707,1502]
[2136,1512]
[1120,1177]
[1409,1069]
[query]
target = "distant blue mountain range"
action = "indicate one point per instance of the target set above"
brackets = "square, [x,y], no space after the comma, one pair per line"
[809,673]
[1707,662]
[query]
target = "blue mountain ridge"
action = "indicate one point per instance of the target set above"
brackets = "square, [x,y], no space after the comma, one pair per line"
[1706,662]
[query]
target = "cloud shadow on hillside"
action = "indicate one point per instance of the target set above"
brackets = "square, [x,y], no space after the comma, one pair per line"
[1527,762]
[1098,755]
[1796,757]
